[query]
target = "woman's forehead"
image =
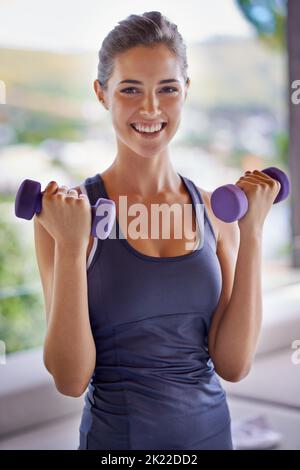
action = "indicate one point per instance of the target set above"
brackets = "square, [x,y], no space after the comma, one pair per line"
[146,68]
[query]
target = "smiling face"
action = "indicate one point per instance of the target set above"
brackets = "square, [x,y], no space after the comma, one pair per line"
[146,102]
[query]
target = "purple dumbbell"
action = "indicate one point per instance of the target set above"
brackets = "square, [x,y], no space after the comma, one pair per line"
[229,202]
[29,202]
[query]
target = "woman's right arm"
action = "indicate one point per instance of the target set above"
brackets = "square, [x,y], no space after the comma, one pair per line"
[69,348]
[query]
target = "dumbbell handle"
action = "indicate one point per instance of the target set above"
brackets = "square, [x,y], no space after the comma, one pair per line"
[230,203]
[29,202]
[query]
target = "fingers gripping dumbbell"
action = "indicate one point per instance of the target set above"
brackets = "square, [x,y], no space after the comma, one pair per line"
[29,202]
[230,203]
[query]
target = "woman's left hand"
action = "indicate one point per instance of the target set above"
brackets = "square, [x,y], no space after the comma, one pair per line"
[261,190]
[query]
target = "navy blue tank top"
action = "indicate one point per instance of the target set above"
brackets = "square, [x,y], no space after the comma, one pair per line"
[154,385]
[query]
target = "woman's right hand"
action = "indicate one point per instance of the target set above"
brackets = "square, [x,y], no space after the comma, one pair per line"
[66,216]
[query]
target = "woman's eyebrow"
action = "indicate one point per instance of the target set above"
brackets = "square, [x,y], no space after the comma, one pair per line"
[168,80]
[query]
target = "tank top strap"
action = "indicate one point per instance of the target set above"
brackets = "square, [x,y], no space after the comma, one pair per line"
[93,188]
[197,199]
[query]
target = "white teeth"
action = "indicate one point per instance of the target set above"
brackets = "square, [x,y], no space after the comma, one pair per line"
[140,128]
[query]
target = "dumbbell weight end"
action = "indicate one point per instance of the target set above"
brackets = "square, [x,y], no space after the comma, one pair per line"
[229,202]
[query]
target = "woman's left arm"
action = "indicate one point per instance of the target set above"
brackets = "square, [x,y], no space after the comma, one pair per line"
[235,328]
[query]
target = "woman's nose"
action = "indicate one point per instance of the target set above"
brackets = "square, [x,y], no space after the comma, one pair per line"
[150,104]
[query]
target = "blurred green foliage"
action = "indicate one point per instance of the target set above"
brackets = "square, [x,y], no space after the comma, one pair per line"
[281,140]
[22,323]
[35,127]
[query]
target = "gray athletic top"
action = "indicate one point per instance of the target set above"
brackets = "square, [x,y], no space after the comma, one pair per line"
[154,384]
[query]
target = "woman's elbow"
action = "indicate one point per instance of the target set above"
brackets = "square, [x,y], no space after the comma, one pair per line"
[234,375]
[63,387]
[70,390]
[70,387]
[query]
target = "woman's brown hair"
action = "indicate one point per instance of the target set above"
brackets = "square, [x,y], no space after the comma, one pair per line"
[148,29]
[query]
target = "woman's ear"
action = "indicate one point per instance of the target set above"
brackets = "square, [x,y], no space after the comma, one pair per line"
[99,92]
[187,84]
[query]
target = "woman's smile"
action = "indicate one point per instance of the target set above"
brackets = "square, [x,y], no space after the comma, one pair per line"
[149,135]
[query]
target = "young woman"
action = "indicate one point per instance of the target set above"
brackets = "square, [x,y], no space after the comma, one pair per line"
[145,323]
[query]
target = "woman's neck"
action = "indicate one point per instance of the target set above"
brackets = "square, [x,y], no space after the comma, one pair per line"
[144,179]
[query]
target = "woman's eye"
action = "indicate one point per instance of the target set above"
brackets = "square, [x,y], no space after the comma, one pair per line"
[170,88]
[131,88]
[126,89]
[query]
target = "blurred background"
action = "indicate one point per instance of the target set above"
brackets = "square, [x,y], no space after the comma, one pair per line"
[242,58]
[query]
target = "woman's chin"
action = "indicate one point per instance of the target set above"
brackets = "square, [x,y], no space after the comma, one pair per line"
[147,151]
[144,144]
